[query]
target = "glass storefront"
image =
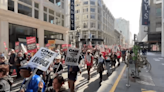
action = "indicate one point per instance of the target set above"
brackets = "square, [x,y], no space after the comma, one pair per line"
[19,33]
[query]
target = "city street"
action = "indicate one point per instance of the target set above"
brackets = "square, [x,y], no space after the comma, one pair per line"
[116,82]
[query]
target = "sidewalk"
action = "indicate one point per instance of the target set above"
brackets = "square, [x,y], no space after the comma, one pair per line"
[148,82]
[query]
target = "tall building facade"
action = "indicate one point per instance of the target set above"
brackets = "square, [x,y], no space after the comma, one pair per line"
[43,19]
[93,20]
[122,26]
[151,34]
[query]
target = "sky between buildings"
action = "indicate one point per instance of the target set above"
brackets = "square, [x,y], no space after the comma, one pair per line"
[126,9]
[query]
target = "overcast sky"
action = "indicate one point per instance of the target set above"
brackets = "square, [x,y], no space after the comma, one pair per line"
[127,9]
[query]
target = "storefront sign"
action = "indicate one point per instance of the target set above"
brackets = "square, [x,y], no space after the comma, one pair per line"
[145,12]
[72,56]
[17,47]
[31,44]
[42,59]
[51,42]
[72,15]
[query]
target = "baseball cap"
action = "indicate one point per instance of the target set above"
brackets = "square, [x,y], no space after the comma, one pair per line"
[27,67]
[2,56]
[58,57]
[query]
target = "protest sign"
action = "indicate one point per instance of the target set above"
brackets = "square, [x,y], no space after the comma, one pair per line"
[5,46]
[37,45]
[17,47]
[72,56]
[24,48]
[42,59]
[31,44]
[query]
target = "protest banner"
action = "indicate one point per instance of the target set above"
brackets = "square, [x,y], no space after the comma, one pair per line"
[17,47]
[31,44]
[72,56]
[37,45]
[5,46]
[24,48]
[42,59]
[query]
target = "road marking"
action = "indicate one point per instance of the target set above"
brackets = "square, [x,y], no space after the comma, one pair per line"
[117,80]
[160,58]
[162,63]
[144,90]
[156,59]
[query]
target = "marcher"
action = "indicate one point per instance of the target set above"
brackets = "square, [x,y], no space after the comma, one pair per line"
[58,82]
[2,59]
[108,63]
[29,84]
[100,67]
[123,55]
[89,62]
[72,76]
[12,60]
[118,57]
[5,83]
[19,59]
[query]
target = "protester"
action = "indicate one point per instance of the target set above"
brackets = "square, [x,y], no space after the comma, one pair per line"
[28,57]
[2,59]
[12,61]
[118,57]
[113,60]
[58,82]
[30,84]
[19,59]
[100,67]
[72,76]
[4,82]
[123,55]
[89,62]
[108,63]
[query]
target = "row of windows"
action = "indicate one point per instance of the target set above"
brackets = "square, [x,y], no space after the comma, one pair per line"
[58,3]
[92,25]
[85,10]
[25,7]
[92,2]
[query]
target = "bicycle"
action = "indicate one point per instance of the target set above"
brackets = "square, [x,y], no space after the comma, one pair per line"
[145,63]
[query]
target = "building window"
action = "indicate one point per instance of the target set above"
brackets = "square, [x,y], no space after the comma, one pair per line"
[58,3]
[93,24]
[85,3]
[36,10]
[85,25]
[77,11]
[85,10]
[51,19]
[63,23]
[57,21]
[92,16]
[45,17]
[26,10]
[10,5]
[51,11]
[92,2]
[85,16]
[99,3]
[52,1]
[92,9]
[158,12]
[58,14]
[99,17]
[29,2]
[19,33]
[158,26]
[45,9]
[99,25]
[62,4]
[52,35]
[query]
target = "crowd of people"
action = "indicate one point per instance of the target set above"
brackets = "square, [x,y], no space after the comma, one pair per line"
[52,80]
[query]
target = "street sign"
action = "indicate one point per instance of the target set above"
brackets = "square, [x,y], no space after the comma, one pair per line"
[72,56]
[42,59]
[72,15]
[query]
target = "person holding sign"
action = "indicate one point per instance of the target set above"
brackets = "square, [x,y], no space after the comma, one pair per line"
[55,70]
[89,62]
[30,84]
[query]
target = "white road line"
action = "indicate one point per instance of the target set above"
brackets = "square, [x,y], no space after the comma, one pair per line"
[162,63]
[155,59]
[160,58]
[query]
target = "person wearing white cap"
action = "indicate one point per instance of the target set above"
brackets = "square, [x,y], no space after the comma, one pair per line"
[89,62]
[56,71]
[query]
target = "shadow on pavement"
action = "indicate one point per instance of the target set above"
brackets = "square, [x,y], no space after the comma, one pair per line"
[93,86]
